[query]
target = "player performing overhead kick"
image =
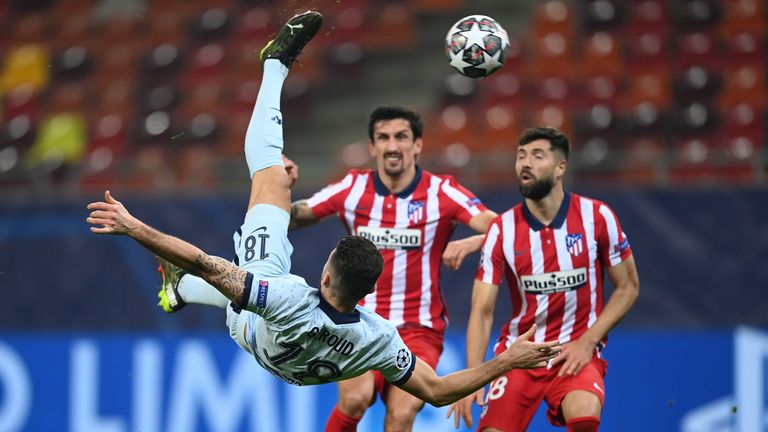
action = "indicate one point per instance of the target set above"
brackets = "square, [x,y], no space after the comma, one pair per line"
[305,335]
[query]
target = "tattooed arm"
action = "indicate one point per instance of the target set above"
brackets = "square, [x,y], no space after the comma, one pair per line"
[113,217]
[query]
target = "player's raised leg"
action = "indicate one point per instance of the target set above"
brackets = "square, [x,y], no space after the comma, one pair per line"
[270,184]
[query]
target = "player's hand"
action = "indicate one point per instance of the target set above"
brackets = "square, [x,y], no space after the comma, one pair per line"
[462,408]
[292,169]
[524,354]
[112,216]
[576,354]
[457,250]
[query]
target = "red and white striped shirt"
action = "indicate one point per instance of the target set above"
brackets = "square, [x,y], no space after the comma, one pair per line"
[411,229]
[555,272]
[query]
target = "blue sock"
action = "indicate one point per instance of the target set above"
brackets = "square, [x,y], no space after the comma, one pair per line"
[264,138]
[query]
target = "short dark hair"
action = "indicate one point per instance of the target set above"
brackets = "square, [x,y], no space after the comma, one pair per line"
[557,140]
[357,264]
[392,113]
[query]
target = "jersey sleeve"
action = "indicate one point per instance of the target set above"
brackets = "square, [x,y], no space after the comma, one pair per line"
[612,244]
[396,361]
[491,267]
[330,199]
[463,204]
[275,299]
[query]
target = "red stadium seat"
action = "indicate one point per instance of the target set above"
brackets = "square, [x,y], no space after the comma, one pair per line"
[556,90]
[106,147]
[601,90]
[500,128]
[602,55]
[392,27]
[206,62]
[439,5]
[698,49]
[648,51]
[73,29]
[551,115]
[654,88]
[454,125]
[31,28]
[744,16]
[20,100]
[255,24]
[504,86]
[743,47]
[744,84]
[552,55]
[552,16]
[649,16]
[348,22]
[744,119]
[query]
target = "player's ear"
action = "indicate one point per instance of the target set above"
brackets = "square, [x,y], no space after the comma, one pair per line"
[562,165]
[417,146]
[325,279]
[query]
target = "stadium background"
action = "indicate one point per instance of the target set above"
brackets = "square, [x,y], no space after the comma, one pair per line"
[665,101]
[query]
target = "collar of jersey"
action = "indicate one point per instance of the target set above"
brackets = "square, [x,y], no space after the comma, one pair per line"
[559,219]
[336,316]
[383,190]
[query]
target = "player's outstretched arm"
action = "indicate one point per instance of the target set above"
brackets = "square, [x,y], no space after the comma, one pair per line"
[439,391]
[114,218]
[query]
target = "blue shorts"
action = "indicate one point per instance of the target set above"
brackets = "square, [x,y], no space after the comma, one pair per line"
[261,243]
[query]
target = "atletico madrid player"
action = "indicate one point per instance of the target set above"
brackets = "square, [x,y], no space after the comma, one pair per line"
[552,249]
[409,214]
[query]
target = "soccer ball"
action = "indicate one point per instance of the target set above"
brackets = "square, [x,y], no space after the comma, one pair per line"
[476,46]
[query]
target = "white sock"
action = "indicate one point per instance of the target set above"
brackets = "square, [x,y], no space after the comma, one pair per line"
[193,289]
[264,138]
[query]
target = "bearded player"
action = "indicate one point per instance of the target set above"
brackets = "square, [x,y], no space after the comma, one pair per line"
[553,249]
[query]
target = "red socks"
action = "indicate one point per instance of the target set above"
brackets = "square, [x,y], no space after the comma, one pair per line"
[583,424]
[340,422]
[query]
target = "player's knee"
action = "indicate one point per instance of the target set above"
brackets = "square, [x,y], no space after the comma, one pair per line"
[354,404]
[274,177]
[401,416]
[580,403]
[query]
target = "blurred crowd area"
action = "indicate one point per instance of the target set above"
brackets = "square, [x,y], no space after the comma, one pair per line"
[156,95]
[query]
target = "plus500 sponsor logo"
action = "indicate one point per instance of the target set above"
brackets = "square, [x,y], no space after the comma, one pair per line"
[554,282]
[392,238]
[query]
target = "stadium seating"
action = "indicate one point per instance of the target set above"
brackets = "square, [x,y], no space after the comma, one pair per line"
[633,80]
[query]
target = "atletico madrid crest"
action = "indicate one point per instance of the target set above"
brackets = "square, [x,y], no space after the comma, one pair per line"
[574,244]
[416,211]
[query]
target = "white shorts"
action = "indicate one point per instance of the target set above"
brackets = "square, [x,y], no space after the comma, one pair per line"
[261,243]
